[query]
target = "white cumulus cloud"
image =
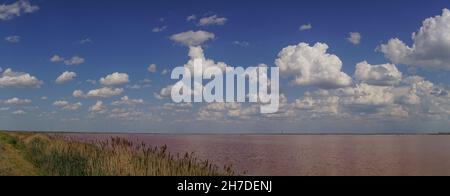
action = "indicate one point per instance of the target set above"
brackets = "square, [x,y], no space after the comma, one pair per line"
[383,75]
[312,65]
[197,53]
[165,92]
[430,48]
[66,77]
[78,94]
[56,58]
[98,107]
[10,78]
[367,95]
[115,79]
[105,92]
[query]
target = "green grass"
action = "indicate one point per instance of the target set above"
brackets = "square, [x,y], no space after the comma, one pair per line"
[58,156]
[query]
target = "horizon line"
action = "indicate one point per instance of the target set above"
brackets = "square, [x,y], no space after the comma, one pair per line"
[232,133]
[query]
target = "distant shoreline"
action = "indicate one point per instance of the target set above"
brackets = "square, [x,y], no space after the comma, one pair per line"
[233,134]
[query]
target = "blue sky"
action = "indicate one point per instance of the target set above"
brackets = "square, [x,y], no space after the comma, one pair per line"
[402,87]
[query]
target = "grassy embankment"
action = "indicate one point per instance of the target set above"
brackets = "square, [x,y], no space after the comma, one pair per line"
[12,159]
[40,154]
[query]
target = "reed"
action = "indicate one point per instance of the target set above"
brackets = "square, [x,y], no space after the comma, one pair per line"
[60,156]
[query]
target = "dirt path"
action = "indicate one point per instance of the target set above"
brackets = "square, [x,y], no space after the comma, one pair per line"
[12,161]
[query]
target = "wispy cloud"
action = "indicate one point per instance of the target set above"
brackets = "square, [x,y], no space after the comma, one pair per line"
[212,20]
[306,27]
[191,18]
[67,106]
[354,38]
[13,39]
[159,29]
[17,101]
[85,41]
[10,11]
[152,68]
[192,38]
[75,60]
[242,43]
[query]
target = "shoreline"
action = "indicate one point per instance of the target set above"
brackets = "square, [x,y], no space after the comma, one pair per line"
[274,155]
[232,134]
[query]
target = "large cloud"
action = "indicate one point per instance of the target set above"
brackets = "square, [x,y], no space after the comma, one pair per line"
[361,100]
[16,9]
[312,65]
[431,45]
[412,98]
[383,75]
[195,53]
[9,78]
[367,95]
[321,105]
[192,38]
[359,97]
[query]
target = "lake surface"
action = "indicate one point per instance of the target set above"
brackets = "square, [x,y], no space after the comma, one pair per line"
[311,154]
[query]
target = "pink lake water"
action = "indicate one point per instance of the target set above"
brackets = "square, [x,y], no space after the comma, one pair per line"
[311,154]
